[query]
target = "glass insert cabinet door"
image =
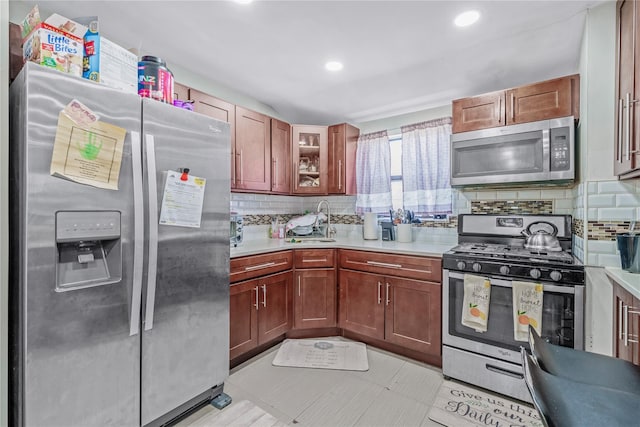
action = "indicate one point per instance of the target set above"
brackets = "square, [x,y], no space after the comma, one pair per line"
[309,149]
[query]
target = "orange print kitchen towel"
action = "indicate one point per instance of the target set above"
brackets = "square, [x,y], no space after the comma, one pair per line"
[527,309]
[475,309]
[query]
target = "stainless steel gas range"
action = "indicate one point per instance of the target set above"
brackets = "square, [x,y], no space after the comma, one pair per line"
[493,247]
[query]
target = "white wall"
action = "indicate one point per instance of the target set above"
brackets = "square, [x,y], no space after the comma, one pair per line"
[395,122]
[597,93]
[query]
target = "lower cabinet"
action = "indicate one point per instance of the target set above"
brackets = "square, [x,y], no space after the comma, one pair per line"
[627,325]
[259,311]
[314,289]
[314,298]
[405,312]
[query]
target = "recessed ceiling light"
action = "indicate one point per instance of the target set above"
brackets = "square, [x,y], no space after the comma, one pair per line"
[243,1]
[333,66]
[467,18]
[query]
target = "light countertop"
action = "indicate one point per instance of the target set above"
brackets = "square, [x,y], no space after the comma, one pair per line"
[629,281]
[421,248]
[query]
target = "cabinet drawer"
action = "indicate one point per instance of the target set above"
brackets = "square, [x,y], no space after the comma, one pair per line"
[314,258]
[412,267]
[259,265]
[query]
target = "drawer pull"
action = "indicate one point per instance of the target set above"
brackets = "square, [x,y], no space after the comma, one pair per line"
[384,264]
[314,260]
[498,370]
[259,266]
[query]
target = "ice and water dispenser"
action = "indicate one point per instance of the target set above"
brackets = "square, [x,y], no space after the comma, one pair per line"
[89,249]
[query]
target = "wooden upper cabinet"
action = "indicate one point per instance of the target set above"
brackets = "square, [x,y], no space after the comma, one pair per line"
[342,144]
[538,101]
[280,157]
[478,112]
[15,50]
[627,130]
[180,91]
[252,151]
[221,110]
[309,159]
[544,100]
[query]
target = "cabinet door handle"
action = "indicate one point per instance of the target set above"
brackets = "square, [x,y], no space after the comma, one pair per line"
[625,322]
[499,110]
[277,175]
[628,128]
[620,133]
[384,264]
[339,174]
[388,300]
[257,298]
[299,293]
[274,178]
[241,169]
[259,266]
[513,107]
[620,309]
[379,296]
[264,295]
[233,167]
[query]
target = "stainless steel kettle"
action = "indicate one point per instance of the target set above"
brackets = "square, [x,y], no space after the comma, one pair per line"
[542,240]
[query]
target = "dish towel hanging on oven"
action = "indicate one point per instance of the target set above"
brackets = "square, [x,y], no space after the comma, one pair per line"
[527,309]
[475,303]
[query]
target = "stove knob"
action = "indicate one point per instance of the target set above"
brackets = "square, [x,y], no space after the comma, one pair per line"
[555,275]
[535,273]
[504,270]
[461,265]
[476,267]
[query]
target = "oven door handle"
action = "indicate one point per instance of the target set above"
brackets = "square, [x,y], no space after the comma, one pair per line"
[507,284]
[503,371]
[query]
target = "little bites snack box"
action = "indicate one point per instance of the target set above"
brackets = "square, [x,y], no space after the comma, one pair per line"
[58,43]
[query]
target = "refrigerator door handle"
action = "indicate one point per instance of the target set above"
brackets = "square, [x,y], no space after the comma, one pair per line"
[153,231]
[138,232]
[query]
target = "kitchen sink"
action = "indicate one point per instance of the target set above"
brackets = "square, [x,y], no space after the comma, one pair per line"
[310,239]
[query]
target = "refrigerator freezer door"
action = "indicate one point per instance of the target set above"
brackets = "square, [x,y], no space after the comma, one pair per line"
[75,362]
[185,351]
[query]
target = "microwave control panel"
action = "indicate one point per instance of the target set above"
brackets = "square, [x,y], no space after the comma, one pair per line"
[560,150]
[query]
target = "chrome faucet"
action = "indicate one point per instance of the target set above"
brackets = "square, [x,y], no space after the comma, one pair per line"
[328,231]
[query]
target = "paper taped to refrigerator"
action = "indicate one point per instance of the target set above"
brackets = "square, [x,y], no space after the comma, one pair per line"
[182,200]
[88,154]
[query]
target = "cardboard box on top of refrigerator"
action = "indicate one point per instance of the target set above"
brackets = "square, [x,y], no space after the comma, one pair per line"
[118,67]
[57,43]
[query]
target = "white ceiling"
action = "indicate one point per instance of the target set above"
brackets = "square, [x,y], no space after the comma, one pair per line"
[399,56]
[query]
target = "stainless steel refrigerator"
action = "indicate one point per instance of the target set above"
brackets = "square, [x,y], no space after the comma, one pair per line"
[116,319]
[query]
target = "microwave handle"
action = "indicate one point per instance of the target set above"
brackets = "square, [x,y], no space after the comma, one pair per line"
[546,150]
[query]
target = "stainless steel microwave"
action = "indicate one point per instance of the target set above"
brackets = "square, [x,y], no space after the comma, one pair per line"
[542,151]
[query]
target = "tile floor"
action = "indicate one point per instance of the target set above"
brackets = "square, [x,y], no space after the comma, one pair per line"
[395,391]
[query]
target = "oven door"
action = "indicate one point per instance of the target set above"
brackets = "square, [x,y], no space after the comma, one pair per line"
[562,318]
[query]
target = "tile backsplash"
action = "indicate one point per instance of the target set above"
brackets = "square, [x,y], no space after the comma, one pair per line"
[610,206]
[599,209]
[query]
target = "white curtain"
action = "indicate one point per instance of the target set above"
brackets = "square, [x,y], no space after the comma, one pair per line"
[426,167]
[373,173]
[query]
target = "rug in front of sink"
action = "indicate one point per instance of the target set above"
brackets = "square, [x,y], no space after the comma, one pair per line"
[323,354]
